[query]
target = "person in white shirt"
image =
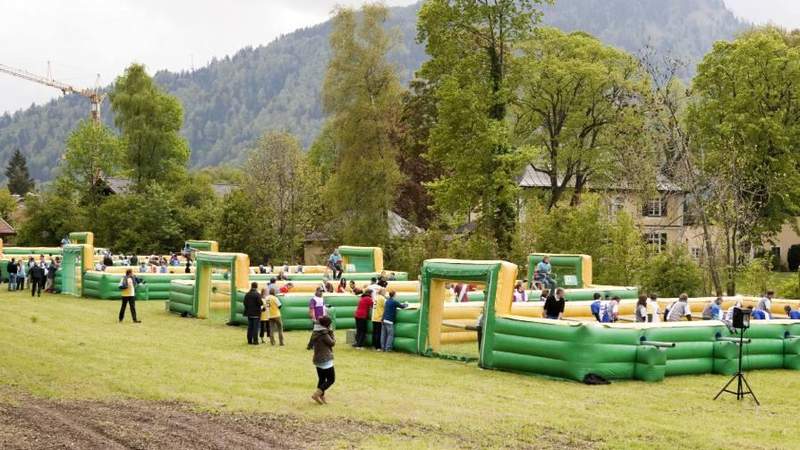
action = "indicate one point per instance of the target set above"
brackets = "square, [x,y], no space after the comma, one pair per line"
[653,312]
[765,304]
[519,293]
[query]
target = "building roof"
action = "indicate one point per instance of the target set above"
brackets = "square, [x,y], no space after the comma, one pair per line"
[532,178]
[123,184]
[6,229]
[398,226]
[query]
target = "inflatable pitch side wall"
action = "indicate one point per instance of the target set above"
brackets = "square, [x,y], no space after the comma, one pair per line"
[105,285]
[362,259]
[570,271]
[181,296]
[357,276]
[573,350]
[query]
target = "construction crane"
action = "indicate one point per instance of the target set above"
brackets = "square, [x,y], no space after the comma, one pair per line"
[94,95]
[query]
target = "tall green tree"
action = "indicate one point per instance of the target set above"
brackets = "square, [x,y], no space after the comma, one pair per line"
[150,122]
[20,181]
[92,154]
[361,96]
[471,44]
[286,189]
[579,110]
[744,123]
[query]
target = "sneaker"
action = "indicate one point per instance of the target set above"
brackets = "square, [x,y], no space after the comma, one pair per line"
[137,321]
[317,397]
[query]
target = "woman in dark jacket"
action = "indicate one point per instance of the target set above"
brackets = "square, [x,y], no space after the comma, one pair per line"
[322,342]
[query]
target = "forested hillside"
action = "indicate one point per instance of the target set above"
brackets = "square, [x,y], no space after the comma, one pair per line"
[233,100]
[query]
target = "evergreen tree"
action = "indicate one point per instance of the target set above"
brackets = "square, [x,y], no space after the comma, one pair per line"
[19,180]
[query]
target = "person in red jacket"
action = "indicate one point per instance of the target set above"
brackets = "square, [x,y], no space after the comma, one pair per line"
[362,315]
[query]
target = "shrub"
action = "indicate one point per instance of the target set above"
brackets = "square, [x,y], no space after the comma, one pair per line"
[671,273]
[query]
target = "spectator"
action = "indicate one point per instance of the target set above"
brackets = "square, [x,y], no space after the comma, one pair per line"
[352,287]
[253,306]
[377,318]
[299,268]
[188,268]
[543,296]
[361,314]
[542,273]
[519,293]
[273,304]
[335,264]
[595,305]
[273,284]
[389,318]
[713,310]
[282,276]
[134,261]
[38,275]
[143,268]
[765,304]
[653,313]
[322,342]
[52,269]
[286,288]
[342,287]
[162,268]
[264,317]
[329,287]
[12,269]
[316,306]
[640,313]
[758,314]
[128,285]
[22,272]
[554,306]
[792,313]
[374,287]
[609,310]
[262,269]
[680,309]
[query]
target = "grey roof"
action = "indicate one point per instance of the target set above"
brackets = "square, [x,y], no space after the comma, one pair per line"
[122,185]
[398,226]
[532,178]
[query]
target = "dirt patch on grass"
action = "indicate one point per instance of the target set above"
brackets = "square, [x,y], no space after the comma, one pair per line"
[33,423]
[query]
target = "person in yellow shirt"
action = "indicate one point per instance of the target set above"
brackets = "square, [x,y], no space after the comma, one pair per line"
[273,306]
[264,318]
[128,286]
[377,318]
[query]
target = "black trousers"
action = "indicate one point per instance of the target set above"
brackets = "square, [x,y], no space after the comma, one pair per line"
[361,332]
[252,329]
[325,378]
[480,337]
[125,302]
[376,334]
[36,285]
[337,271]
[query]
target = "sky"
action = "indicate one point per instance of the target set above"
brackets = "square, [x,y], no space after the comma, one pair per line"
[84,38]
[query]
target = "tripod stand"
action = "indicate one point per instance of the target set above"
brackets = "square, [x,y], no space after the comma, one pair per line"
[741,381]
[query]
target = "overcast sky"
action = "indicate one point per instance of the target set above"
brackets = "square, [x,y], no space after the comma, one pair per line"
[82,38]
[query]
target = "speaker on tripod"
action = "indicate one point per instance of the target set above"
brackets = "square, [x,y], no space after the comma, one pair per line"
[740,322]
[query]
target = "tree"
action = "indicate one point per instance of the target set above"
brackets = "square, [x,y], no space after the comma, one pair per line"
[150,122]
[50,216]
[579,109]
[471,44]
[8,205]
[361,95]
[285,188]
[672,273]
[745,123]
[19,180]
[92,154]
[239,228]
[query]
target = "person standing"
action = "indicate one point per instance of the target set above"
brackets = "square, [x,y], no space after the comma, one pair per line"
[37,279]
[377,318]
[765,304]
[253,305]
[554,306]
[316,306]
[595,305]
[128,286]
[653,312]
[273,306]
[22,272]
[12,268]
[519,293]
[389,318]
[680,309]
[640,312]
[264,329]
[361,315]
[52,268]
[322,342]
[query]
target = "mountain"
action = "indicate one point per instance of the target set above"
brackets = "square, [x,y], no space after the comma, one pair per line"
[233,100]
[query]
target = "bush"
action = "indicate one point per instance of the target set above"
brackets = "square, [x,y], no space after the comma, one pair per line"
[671,273]
[754,276]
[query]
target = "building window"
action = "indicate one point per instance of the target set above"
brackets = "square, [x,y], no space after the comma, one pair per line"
[656,241]
[696,252]
[655,207]
[616,205]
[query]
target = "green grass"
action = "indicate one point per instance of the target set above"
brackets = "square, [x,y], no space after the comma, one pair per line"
[69,348]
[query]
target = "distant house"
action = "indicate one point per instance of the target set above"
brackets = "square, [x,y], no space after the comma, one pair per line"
[6,230]
[115,185]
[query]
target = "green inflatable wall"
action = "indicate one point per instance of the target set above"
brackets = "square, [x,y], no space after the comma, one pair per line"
[181,297]
[105,286]
[562,265]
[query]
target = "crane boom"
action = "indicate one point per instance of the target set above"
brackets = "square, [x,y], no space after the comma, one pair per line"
[94,96]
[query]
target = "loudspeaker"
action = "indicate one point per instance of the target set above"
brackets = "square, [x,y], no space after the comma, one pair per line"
[741,318]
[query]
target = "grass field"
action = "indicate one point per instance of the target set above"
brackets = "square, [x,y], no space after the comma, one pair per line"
[66,348]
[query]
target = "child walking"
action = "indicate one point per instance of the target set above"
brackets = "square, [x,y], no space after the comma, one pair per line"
[322,342]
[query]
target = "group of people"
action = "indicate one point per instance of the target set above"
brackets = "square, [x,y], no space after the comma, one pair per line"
[39,273]
[263,312]
[285,269]
[378,305]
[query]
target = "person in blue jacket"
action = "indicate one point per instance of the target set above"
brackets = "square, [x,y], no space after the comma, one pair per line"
[389,316]
[595,306]
[792,313]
